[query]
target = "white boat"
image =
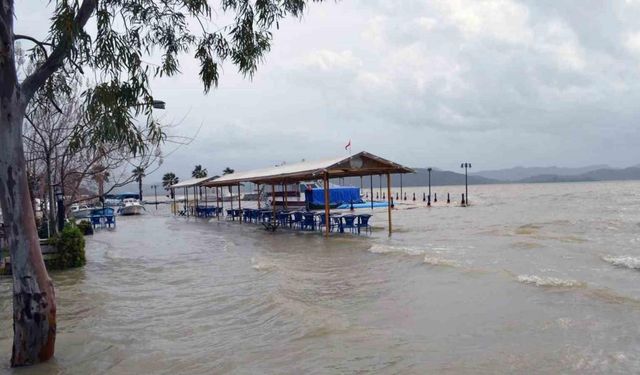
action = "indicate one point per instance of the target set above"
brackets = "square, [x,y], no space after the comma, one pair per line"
[80,211]
[131,206]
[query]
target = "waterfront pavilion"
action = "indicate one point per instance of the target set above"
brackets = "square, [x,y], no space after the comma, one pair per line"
[358,165]
[194,183]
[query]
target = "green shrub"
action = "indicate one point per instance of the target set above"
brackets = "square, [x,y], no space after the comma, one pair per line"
[85,227]
[69,248]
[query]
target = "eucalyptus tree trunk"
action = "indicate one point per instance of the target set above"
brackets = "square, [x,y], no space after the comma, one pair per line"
[34,308]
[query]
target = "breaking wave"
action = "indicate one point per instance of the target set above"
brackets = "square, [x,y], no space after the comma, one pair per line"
[623,261]
[434,261]
[548,281]
[383,249]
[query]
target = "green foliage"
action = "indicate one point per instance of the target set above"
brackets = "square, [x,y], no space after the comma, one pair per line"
[137,40]
[85,227]
[169,179]
[227,170]
[199,172]
[69,249]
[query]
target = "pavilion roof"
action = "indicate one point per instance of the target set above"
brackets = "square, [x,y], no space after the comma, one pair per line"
[359,164]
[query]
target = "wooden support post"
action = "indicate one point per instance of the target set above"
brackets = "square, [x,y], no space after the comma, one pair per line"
[371,188]
[239,205]
[389,200]
[186,201]
[173,194]
[401,186]
[217,204]
[222,200]
[327,211]
[206,200]
[258,190]
[285,196]
[195,201]
[273,205]
[380,184]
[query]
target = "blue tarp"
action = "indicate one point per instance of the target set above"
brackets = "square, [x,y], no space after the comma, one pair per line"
[337,196]
[363,205]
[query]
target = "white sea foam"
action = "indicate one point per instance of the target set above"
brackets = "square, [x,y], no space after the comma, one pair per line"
[623,261]
[548,281]
[435,261]
[384,249]
[261,265]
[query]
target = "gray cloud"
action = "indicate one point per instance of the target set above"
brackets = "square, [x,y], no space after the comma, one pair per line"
[498,83]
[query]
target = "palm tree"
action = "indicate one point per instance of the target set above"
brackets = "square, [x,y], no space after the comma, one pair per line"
[198,172]
[169,179]
[227,170]
[138,173]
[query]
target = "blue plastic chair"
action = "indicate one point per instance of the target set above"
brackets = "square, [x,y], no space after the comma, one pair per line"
[323,222]
[296,221]
[308,221]
[95,221]
[349,222]
[363,222]
[283,218]
[111,220]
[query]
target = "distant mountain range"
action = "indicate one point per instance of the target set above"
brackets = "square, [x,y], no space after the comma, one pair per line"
[501,176]
[522,173]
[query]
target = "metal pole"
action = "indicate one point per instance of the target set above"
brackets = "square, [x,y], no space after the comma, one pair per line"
[466,185]
[429,170]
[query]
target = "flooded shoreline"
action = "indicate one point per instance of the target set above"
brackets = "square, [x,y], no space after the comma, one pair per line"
[531,278]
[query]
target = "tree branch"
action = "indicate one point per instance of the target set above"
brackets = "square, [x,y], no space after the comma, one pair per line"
[36,42]
[52,63]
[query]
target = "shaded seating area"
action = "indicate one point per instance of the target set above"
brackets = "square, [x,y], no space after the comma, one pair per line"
[278,215]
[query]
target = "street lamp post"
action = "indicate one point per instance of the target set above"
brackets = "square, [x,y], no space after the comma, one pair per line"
[429,171]
[155,193]
[466,185]
[60,204]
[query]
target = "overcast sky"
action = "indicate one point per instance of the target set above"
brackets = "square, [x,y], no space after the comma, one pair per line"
[425,83]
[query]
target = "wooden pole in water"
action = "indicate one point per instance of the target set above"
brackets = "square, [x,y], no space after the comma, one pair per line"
[258,190]
[273,204]
[285,196]
[186,201]
[217,204]
[389,200]
[173,194]
[371,188]
[400,185]
[326,205]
